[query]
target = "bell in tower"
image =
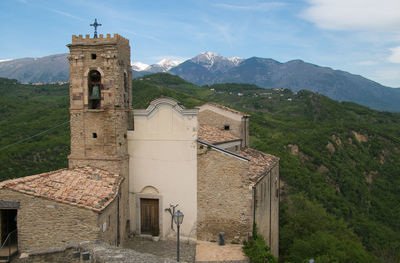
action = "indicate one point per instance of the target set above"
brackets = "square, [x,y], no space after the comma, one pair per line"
[94,85]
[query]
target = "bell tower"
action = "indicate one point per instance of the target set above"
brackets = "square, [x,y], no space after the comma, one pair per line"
[101,106]
[100,101]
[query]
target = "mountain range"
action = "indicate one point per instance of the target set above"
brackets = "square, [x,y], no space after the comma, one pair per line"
[210,68]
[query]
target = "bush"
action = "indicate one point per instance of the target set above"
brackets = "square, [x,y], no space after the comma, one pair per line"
[257,251]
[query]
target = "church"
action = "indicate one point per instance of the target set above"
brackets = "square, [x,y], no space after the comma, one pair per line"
[130,170]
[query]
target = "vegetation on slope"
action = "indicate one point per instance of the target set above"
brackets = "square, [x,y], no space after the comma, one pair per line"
[339,161]
[25,111]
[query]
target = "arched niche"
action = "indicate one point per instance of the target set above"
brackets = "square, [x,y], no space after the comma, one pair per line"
[94,89]
[149,190]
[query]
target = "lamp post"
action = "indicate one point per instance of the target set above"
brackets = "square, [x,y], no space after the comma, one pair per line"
[178,218]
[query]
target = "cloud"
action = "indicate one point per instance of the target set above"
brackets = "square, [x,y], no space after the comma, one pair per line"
[252,7]
[367,63]
[65,14]
[223,30]
[395,56]
[382,15]
[140,35]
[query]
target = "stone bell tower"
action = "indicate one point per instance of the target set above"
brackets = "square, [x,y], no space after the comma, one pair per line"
[101,107]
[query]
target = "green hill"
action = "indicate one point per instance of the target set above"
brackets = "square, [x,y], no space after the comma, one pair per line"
[340,162]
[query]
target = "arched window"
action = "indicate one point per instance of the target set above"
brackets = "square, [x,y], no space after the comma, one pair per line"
[94,88]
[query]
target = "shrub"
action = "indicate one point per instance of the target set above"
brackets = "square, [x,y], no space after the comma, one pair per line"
[257,251]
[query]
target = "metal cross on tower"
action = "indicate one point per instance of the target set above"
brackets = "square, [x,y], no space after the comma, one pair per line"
[95,25]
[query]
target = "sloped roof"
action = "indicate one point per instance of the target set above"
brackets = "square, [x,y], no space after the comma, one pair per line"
[85,187]
[214,135]
[226,108]
[260,163]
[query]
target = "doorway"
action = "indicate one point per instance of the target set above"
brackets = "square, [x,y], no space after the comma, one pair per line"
[149,217]
[8,235]
[8,222]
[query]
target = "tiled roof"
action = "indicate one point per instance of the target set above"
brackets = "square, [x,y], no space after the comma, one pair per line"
[260,163]
[226,108]
[85,187]
[214,135]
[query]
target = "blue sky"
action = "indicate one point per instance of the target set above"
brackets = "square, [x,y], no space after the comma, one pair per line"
[359,36]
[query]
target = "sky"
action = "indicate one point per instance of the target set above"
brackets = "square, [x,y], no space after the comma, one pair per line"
[358,36]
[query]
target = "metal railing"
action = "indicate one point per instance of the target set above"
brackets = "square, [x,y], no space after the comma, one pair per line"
[10,240]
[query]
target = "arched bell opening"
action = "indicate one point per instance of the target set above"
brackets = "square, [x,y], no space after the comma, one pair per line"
[94,88]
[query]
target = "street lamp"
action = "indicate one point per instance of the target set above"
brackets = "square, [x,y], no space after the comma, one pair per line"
[178,218]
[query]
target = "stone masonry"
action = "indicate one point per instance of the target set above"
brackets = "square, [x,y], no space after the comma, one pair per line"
[267,209]
[44,223]
[220,116]
[224,196]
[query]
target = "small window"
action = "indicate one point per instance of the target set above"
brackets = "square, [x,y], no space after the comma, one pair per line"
[94,135]
[226,127]
[94,56]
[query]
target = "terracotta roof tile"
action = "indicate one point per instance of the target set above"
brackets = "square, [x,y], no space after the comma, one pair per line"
[214,135]
[260,163]
[226,108]
[85,187]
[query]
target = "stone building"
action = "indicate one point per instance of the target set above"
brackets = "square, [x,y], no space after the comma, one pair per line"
[129,170]
[191,159]
[60,207]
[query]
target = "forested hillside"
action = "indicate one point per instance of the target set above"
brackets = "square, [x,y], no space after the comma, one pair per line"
[340,162]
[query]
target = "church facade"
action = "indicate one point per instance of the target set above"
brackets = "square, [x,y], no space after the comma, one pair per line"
[129,170]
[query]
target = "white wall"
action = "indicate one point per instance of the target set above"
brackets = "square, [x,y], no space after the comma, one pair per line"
[163,155]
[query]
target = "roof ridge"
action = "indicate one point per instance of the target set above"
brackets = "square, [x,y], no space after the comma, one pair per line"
[226,108]
[28,178]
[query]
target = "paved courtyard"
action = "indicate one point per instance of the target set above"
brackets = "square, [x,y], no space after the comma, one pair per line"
[162,249]
[203,252]
[212,252]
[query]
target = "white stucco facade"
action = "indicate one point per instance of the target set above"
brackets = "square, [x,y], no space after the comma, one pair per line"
[163,164]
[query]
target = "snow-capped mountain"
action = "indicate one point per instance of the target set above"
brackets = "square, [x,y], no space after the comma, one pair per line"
[236,60]
[215,62]
[139,66]
[163,66]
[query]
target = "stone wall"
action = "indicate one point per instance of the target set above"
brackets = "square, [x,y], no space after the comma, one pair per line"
[275,210]
[225,197]
[44,223]
[108,222]
[263,208]
[267,209]
[219,121]
[238,125]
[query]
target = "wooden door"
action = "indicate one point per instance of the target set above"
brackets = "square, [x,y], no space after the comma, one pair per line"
[149,216]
